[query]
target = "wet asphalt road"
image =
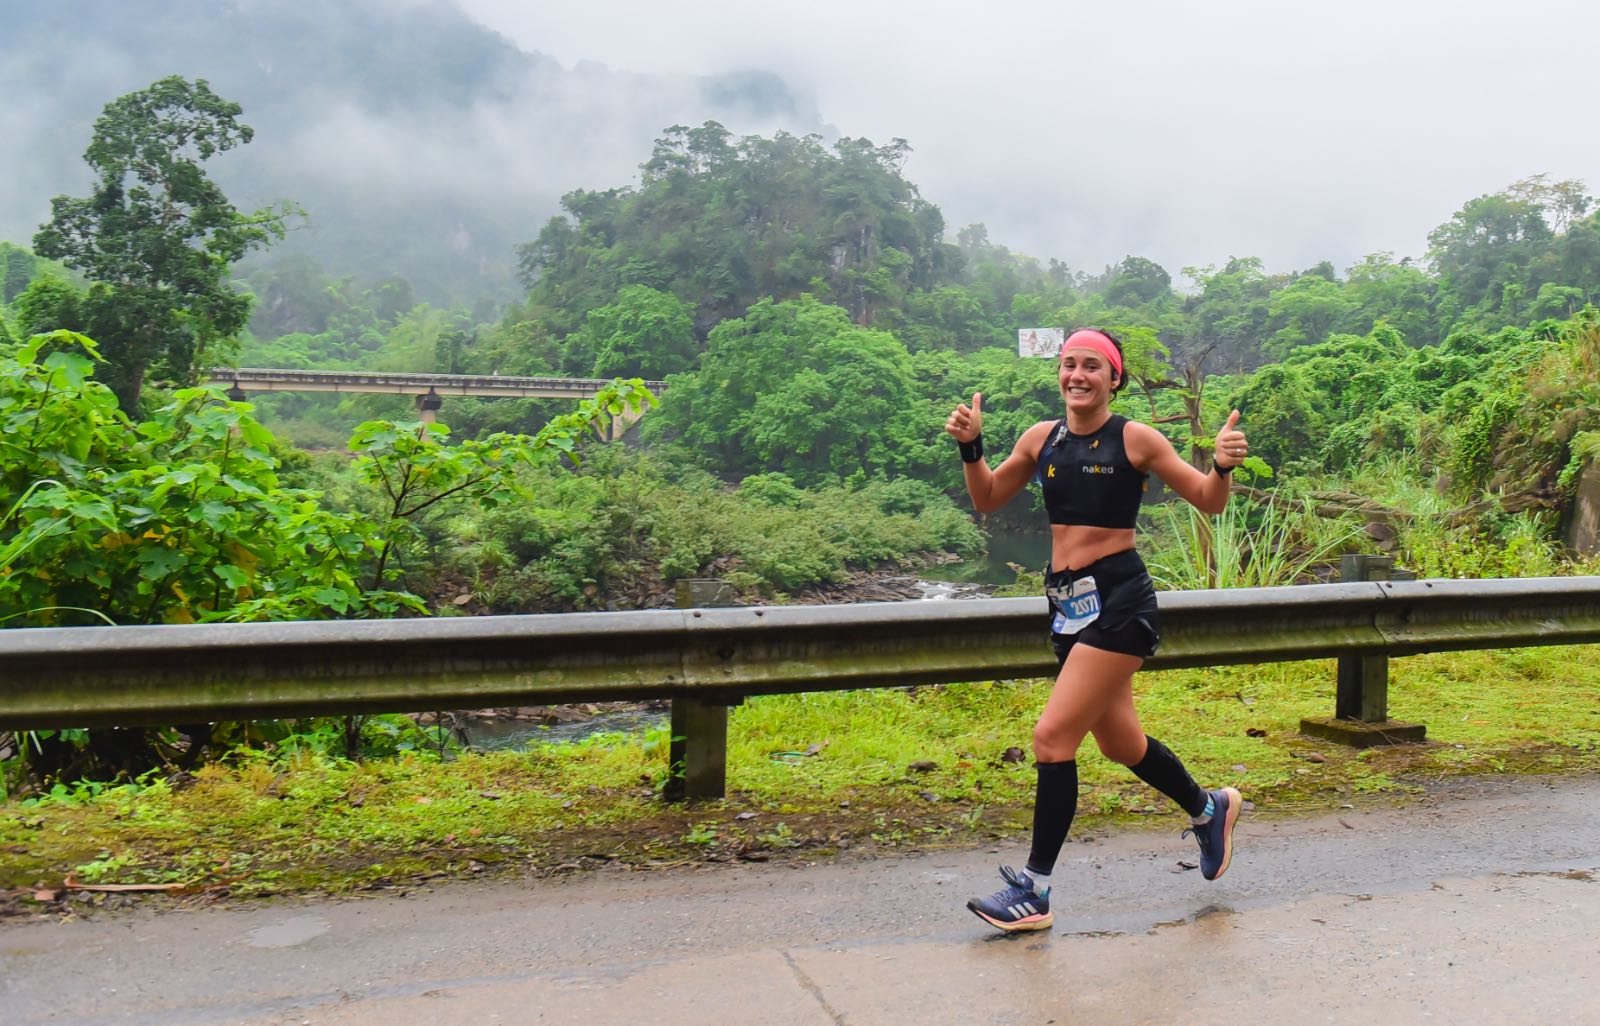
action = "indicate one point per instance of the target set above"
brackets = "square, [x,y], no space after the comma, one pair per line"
[1480,903]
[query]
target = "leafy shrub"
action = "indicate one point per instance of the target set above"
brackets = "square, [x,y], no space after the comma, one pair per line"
[589,538]
[1518,545]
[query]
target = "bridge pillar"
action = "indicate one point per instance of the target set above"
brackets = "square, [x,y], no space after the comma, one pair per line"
[697,756]
[236,394]
[1361,704]
[428,406]
[623,421]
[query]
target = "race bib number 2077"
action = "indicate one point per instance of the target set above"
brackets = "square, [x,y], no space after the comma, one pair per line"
[1077,607]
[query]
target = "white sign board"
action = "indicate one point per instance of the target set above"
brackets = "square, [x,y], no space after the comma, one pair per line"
[1040,341]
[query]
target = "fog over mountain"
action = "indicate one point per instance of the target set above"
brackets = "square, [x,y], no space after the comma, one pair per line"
[419,142]
[429,137]
[1184,132]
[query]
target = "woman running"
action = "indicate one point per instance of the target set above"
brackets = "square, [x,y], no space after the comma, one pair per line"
[1092,465]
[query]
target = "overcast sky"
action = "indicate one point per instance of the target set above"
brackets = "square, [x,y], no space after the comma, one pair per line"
[1181,131]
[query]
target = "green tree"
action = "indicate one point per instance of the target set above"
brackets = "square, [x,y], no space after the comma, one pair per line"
[392,297]
[1396,292]
[294,295]
[1230,314]
[183,517]
[1498,250]
[49,303]
[722,222]
[795,387]
[1307,310]
[157,236]
[411,344]
[1285,413]
[417,475]
[450,350]
[645,333]
[953,317]
[1137,281]
[16,271]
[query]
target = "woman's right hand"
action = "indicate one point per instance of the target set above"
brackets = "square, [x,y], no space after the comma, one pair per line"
[966,422]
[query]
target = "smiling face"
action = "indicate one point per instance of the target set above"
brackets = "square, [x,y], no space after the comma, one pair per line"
[1086,379]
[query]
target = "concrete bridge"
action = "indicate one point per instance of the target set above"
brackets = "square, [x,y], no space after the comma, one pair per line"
[429,389]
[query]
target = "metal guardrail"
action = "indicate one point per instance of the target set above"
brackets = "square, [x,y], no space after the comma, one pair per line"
[707,659]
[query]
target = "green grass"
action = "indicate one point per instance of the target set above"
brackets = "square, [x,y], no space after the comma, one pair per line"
[319,825]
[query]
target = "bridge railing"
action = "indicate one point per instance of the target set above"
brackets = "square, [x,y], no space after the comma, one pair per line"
[708,659]
[268,379]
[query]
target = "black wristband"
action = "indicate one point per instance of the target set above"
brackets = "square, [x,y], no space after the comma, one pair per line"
[1219,468]
[971,452]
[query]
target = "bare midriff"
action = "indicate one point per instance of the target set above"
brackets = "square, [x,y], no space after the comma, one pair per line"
[1075,546]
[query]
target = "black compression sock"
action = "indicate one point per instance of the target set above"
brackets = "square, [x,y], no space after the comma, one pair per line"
[1163,771]
[1055,801]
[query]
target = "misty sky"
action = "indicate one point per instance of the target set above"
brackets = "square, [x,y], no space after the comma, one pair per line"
[1185,132]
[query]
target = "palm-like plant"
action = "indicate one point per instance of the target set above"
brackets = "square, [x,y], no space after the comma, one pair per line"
[1251,545]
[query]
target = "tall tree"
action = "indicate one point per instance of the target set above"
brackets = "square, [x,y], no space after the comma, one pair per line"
[1308,310]
[1399,293]
[722,223]
[1137,280]
[796,387]
[15,273]
[1498,250]
[157,236]
[645,333]
[1230,314]
[49,303]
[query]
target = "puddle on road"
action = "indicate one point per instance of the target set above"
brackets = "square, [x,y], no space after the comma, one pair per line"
[1583,875]
[1189,920]
[292,931]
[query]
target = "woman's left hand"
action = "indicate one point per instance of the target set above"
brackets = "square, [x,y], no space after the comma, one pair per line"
[1231,445]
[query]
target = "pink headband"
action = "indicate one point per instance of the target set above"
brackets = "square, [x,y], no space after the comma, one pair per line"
[1088,338]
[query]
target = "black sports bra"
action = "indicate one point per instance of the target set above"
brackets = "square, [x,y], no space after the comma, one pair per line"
[1087,479]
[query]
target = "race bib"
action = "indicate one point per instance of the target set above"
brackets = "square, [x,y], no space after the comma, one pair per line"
[1076,608]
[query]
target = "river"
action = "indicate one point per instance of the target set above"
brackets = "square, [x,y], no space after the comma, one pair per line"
[1025,548]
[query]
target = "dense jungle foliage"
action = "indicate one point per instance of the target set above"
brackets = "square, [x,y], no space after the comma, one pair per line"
[814,320]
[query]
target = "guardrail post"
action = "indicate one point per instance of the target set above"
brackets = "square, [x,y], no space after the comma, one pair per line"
[1361,701]
[1363,692]
[698,753]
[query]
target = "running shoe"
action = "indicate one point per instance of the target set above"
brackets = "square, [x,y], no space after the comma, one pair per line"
[1216,836]
[1015,908]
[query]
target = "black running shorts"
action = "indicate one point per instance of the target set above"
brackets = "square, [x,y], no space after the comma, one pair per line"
[1128,622]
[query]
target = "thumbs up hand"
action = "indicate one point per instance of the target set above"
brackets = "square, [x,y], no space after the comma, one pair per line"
[966,422]
[1231,445]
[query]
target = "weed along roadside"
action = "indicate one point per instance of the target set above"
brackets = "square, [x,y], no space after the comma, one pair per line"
[816,775]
